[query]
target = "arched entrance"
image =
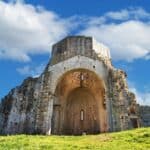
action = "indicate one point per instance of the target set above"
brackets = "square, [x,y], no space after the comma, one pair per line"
[81,112]
[79,104]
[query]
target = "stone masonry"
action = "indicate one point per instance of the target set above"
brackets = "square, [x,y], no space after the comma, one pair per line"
[79,91]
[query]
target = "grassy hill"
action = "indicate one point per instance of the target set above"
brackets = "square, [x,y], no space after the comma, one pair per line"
[138,139]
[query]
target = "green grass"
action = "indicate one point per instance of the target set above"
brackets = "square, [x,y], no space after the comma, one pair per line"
[138,139]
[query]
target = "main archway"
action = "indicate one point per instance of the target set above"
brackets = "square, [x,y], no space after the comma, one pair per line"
[79,104]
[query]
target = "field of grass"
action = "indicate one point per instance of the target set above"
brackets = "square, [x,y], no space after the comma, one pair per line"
[138,139]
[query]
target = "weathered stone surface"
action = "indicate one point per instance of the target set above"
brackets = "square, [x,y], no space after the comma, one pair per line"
[18,107]
[78,92]
[145,115]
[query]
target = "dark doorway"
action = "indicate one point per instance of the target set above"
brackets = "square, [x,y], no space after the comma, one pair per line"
[134,123]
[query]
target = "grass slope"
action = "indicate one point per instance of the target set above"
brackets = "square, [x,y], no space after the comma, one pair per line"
[138,139]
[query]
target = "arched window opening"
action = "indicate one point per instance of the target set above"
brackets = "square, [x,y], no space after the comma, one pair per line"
[82,115]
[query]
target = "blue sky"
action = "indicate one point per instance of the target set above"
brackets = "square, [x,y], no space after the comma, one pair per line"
[28,29]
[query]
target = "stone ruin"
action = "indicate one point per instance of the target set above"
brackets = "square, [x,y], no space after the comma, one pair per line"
[79,92]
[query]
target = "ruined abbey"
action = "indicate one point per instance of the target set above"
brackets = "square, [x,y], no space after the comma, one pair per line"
[79,92]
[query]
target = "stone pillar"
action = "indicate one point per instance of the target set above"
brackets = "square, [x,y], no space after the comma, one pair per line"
[48,120]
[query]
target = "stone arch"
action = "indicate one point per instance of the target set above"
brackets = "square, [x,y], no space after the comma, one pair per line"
[89,90]
[57,71]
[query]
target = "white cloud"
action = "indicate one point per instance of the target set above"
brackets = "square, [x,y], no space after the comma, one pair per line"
[25,29]
[130,13]
[122,15]
[143,98]
[138,14]
[31,70]
[127,41]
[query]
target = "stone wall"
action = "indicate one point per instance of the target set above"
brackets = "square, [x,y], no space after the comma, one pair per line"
[78,45]
[18,109]
[145,115]
[121,100]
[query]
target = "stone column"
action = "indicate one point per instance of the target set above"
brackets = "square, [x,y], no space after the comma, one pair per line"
[48,120]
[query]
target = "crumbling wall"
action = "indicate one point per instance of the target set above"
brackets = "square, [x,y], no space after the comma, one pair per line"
[18,109]
[122,100]
[5,109]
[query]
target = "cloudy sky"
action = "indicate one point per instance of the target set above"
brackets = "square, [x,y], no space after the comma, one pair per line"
[28,28]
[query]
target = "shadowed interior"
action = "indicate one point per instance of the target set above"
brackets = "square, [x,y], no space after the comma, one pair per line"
[79,104]
[81,112]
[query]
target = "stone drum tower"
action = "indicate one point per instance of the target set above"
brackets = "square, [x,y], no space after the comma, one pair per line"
[78,92]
